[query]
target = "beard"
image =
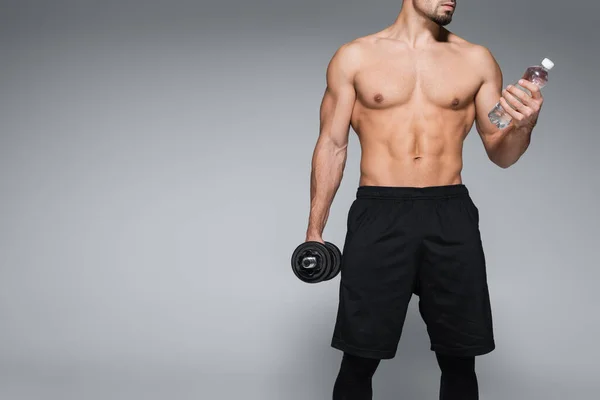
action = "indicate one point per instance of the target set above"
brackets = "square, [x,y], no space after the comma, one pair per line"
[442,20]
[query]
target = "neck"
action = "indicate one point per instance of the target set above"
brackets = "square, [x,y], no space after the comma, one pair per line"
[414,28]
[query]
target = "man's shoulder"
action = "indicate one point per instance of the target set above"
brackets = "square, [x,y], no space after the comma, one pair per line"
[480,54]
[477,55]
[353,49]
[354,52]
[469,48]
[348,56]
[477,52]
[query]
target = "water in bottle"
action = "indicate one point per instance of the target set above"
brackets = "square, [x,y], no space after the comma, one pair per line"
[537,74]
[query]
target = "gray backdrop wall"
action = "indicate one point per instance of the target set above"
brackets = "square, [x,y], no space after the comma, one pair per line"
[154,168]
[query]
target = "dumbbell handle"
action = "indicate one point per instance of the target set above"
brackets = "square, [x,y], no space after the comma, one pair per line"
[309,262]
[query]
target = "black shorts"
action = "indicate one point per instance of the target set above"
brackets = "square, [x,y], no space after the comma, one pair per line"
[405,240]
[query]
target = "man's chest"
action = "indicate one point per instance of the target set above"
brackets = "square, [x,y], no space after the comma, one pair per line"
[442,80]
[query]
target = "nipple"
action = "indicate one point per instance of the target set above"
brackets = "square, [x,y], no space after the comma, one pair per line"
[378,97]
[455,102]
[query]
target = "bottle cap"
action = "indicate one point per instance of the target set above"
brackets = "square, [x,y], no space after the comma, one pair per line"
[546,63]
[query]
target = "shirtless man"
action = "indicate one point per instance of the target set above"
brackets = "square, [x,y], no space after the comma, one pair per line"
[412,92]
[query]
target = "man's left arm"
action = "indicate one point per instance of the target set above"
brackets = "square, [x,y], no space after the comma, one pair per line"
[505,146]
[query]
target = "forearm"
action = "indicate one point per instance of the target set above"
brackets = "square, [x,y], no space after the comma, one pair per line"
[509,145]
[328,164]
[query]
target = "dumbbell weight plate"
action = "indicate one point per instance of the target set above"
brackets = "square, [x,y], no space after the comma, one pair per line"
[336,260]
[318,269]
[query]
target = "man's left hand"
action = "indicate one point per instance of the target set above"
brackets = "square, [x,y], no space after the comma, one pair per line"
[525,108]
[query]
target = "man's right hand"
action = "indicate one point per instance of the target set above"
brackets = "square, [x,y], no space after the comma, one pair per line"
[314,238]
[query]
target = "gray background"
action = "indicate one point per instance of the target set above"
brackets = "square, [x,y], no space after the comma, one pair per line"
[154,166]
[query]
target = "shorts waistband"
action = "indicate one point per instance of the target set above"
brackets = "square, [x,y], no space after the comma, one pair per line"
[408,192]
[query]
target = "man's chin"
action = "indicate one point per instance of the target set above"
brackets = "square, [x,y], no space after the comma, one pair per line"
[442,21]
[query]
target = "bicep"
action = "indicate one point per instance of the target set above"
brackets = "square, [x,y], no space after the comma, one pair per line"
[338,100]
[488,95]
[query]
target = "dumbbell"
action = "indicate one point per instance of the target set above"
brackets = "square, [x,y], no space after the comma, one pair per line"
[314,262]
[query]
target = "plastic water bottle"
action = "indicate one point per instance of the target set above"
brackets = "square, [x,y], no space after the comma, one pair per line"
[537,74]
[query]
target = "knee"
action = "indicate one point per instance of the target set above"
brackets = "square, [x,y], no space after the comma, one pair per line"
[355,367]
[456,366]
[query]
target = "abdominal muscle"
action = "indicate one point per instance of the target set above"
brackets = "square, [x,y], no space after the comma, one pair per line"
[404,148]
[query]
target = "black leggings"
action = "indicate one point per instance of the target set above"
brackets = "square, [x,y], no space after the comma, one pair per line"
[458,381]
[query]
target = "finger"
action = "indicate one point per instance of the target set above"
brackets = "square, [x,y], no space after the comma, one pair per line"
[513,113]
[519,93]
[512,100]
[532,87]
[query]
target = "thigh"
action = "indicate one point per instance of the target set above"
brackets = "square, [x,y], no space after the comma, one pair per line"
[377,277]
[380,248]
[454,300]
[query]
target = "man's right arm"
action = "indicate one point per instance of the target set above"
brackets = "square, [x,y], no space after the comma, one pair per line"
[329,156]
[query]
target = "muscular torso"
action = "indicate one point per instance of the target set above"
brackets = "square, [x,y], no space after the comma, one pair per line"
[413,110]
